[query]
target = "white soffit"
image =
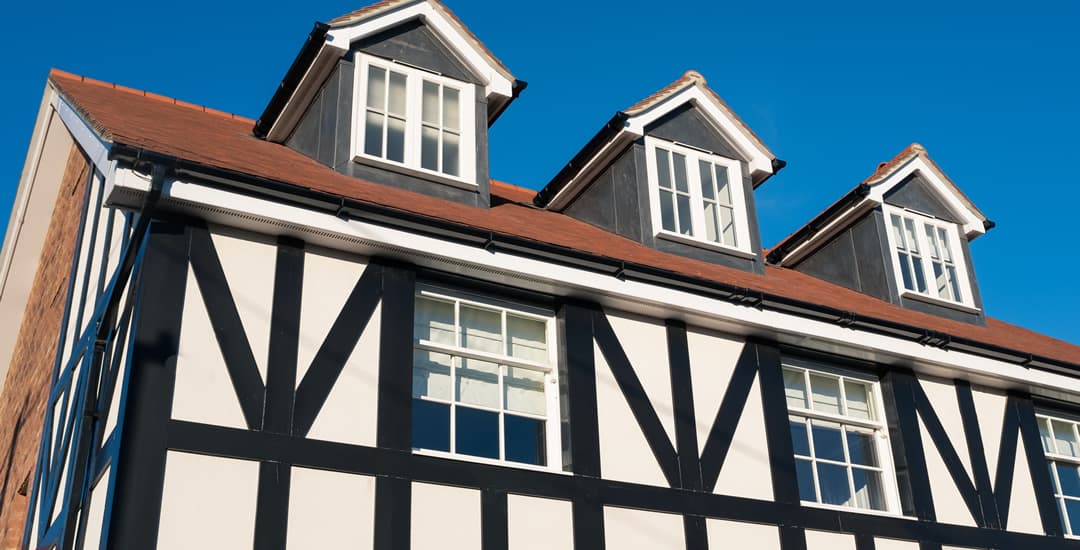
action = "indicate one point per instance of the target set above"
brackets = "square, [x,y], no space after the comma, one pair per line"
[972,221]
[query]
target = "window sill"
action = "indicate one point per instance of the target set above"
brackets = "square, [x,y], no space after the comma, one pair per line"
[939,302]
[391,166]
[489,461]
[707,245]
[853,510]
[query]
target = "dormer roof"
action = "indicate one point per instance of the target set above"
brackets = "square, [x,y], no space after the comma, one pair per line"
[874,191]
[328,42]
[629,124]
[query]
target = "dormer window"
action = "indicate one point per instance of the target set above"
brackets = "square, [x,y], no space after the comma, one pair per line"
[927,257]
[696,196]
[414,119]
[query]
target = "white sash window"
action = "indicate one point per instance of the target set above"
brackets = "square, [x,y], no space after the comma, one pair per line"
[927,257]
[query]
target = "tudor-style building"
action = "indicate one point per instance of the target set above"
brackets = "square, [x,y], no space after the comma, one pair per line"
[331,328]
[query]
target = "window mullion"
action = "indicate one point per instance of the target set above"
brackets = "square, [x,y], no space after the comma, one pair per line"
[697,210]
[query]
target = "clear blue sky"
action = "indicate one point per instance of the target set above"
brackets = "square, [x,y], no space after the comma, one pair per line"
[992,89]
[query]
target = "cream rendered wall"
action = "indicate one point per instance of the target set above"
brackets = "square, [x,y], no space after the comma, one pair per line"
[208,503]
[330,510]
[738,534]
[95,512]
[445,518]
[949,506]
[626,529]
[823,540]
[894,544]
[539,523]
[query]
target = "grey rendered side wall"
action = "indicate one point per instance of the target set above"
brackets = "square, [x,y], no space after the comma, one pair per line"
[611,201]
[914,193]
[852,259]
[415,44]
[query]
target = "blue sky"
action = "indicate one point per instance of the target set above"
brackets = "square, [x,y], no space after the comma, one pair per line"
[992,89]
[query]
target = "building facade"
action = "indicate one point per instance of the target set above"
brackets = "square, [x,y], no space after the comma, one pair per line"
[331,327]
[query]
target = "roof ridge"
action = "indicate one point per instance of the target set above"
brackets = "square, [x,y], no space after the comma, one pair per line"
[59,73]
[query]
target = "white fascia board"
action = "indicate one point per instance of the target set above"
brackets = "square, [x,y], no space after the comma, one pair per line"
[301,97]
[360,237]
[496,81]
[830,230]
[970,221]
[95,148]
[760,160]
[596,164]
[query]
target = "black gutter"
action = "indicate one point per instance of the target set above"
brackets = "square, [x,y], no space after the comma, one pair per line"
[464,234]
[822,220]
[292,79]
[591,149]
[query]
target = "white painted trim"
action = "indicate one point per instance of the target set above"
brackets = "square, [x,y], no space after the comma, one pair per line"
[707,245]
[967,303]
[221,206]
[971,222]
[85,136]
[591,169]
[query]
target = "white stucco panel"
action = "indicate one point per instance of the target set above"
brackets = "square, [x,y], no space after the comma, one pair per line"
[990,408]
[712,360]
[329,278]
[208,503]
[445,518]
[95,512]
[539,523]
[626,529]
[330,510]
[825,540]
[942,395]
[949,506]
[746,471]
[738,534]
[895,544]
[249,267]
[645,343]
[1023,510]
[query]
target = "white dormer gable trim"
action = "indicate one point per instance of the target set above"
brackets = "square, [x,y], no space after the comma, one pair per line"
[972,220]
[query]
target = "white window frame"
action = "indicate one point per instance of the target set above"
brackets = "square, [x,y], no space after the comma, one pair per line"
[735,184]
[963,282]
[879,425]
[1053,456]
[552,420]
[414,79]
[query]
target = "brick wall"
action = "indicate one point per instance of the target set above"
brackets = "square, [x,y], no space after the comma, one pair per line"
[22,404]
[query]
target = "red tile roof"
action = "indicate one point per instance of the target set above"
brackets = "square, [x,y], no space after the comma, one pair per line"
[212,138]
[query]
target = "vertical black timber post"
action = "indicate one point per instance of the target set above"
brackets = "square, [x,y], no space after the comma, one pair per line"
[977,454]
[785,482]
[140,468]
[686,443]
[494,529]
[393,496]
[909,456]
[1040,475]
[272,509]
[578,368]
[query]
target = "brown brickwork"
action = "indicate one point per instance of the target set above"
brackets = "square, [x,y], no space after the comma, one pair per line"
[22,404]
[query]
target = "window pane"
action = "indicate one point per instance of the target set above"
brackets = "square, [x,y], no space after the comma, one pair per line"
[869,493]
[939,281]
[706,174]
[373,129]
[667,210]
[799,441]
[430,425]
[528,338]
[1072,507]
[859,404]
[712,229]
[478,383]
[431,374]
[450,153]
[723,185]
[376,88]
[430,104]
[833,481]
[1070,480]
[828,440]
[525,440]
[679,163]
[663,168]
[397,94]
[429,148]
[861,446]
[905,271]
[481,329]
[826,393]
[395,139]
[931,241]
[795,388]
[476,432]
[920,278]
[898,233]
[1065,439]
[953,284]
[909,235]
[434,321]
[685,227]
[1044,431]
[727,225]
[524,391]
[451,109]
[946,249]
[805,472]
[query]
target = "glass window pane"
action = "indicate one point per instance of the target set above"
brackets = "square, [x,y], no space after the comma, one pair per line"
[685,227]
[481,329]
[451,109]
[833,481]
[1064,438]
[476,432]
[1072,507]
[859,404]
[395,139]
[706,174]
[953,284]
[799,441]
[712,229]
[1044,431]
[430,425]
[795,388]
[861,446]
[826,393]
[939,281]
[663,168]
[869,492]
[909,235]
[727,225]
[946,249]
[898,233]
[905,271]
[376,88]
[931,241]
[478,383]
[723,185]
[1070,480]
[528,338]
[450,156]
[679,164]
[526,440]
[430,104]
[524,391]
[828,440]
[397,94]
[434,321]
[431,374]
[667,210]
[373,130]
[805,472]
[429,148]
[920,278]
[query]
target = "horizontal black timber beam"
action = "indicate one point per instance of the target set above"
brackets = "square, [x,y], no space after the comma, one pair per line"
[354,459]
